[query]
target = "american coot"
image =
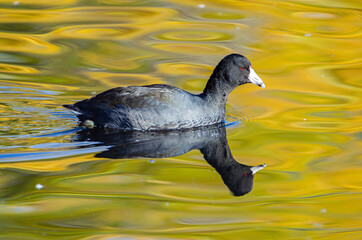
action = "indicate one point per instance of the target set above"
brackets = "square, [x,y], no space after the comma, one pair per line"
[161,107]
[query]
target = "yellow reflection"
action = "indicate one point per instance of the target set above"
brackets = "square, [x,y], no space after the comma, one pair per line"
[26,44]
[193,49]
[10,68]
[193,36]
[118,79]
[49,165]
[44,3]
[96,32]
[184,69]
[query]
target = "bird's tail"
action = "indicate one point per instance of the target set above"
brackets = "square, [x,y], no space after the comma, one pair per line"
[74,109]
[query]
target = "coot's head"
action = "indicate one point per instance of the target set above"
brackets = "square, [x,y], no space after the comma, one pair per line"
[239,178]
[232,71]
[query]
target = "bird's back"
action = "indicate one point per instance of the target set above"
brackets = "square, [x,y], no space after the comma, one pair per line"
[151,107]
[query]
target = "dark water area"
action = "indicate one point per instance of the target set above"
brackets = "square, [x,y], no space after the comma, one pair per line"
[61,181]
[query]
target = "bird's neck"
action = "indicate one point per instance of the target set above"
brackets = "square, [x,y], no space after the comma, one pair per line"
[217,89]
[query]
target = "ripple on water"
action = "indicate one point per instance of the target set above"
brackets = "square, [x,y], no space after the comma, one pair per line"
[194,32]
[307,21]
[323,118]
[349,75]
[222,15]
[234,121]
[25,90]
[46,154]
[315,15]
[108,56]
[114,79]
[10,68]
[12,57]
[96,32]
[299,151]
[327,30]
[193,35]
[16,4]
[26,44]
[86,14]
[124,2]
[184,68]
[192,49]
[310,98]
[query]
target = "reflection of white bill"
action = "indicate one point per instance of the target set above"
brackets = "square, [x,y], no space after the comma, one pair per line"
[257,168]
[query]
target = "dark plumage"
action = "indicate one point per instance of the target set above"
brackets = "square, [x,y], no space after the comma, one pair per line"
[160,107]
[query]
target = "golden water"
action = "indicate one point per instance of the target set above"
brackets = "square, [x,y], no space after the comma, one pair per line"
[305,125]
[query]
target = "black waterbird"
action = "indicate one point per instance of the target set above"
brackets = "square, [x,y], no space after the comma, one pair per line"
[160,106]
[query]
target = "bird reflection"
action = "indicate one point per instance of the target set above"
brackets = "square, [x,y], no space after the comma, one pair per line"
[210,140]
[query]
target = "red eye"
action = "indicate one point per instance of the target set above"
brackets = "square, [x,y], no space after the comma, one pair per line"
[241,68]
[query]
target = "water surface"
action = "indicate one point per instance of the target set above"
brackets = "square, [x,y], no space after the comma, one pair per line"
[305,125]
